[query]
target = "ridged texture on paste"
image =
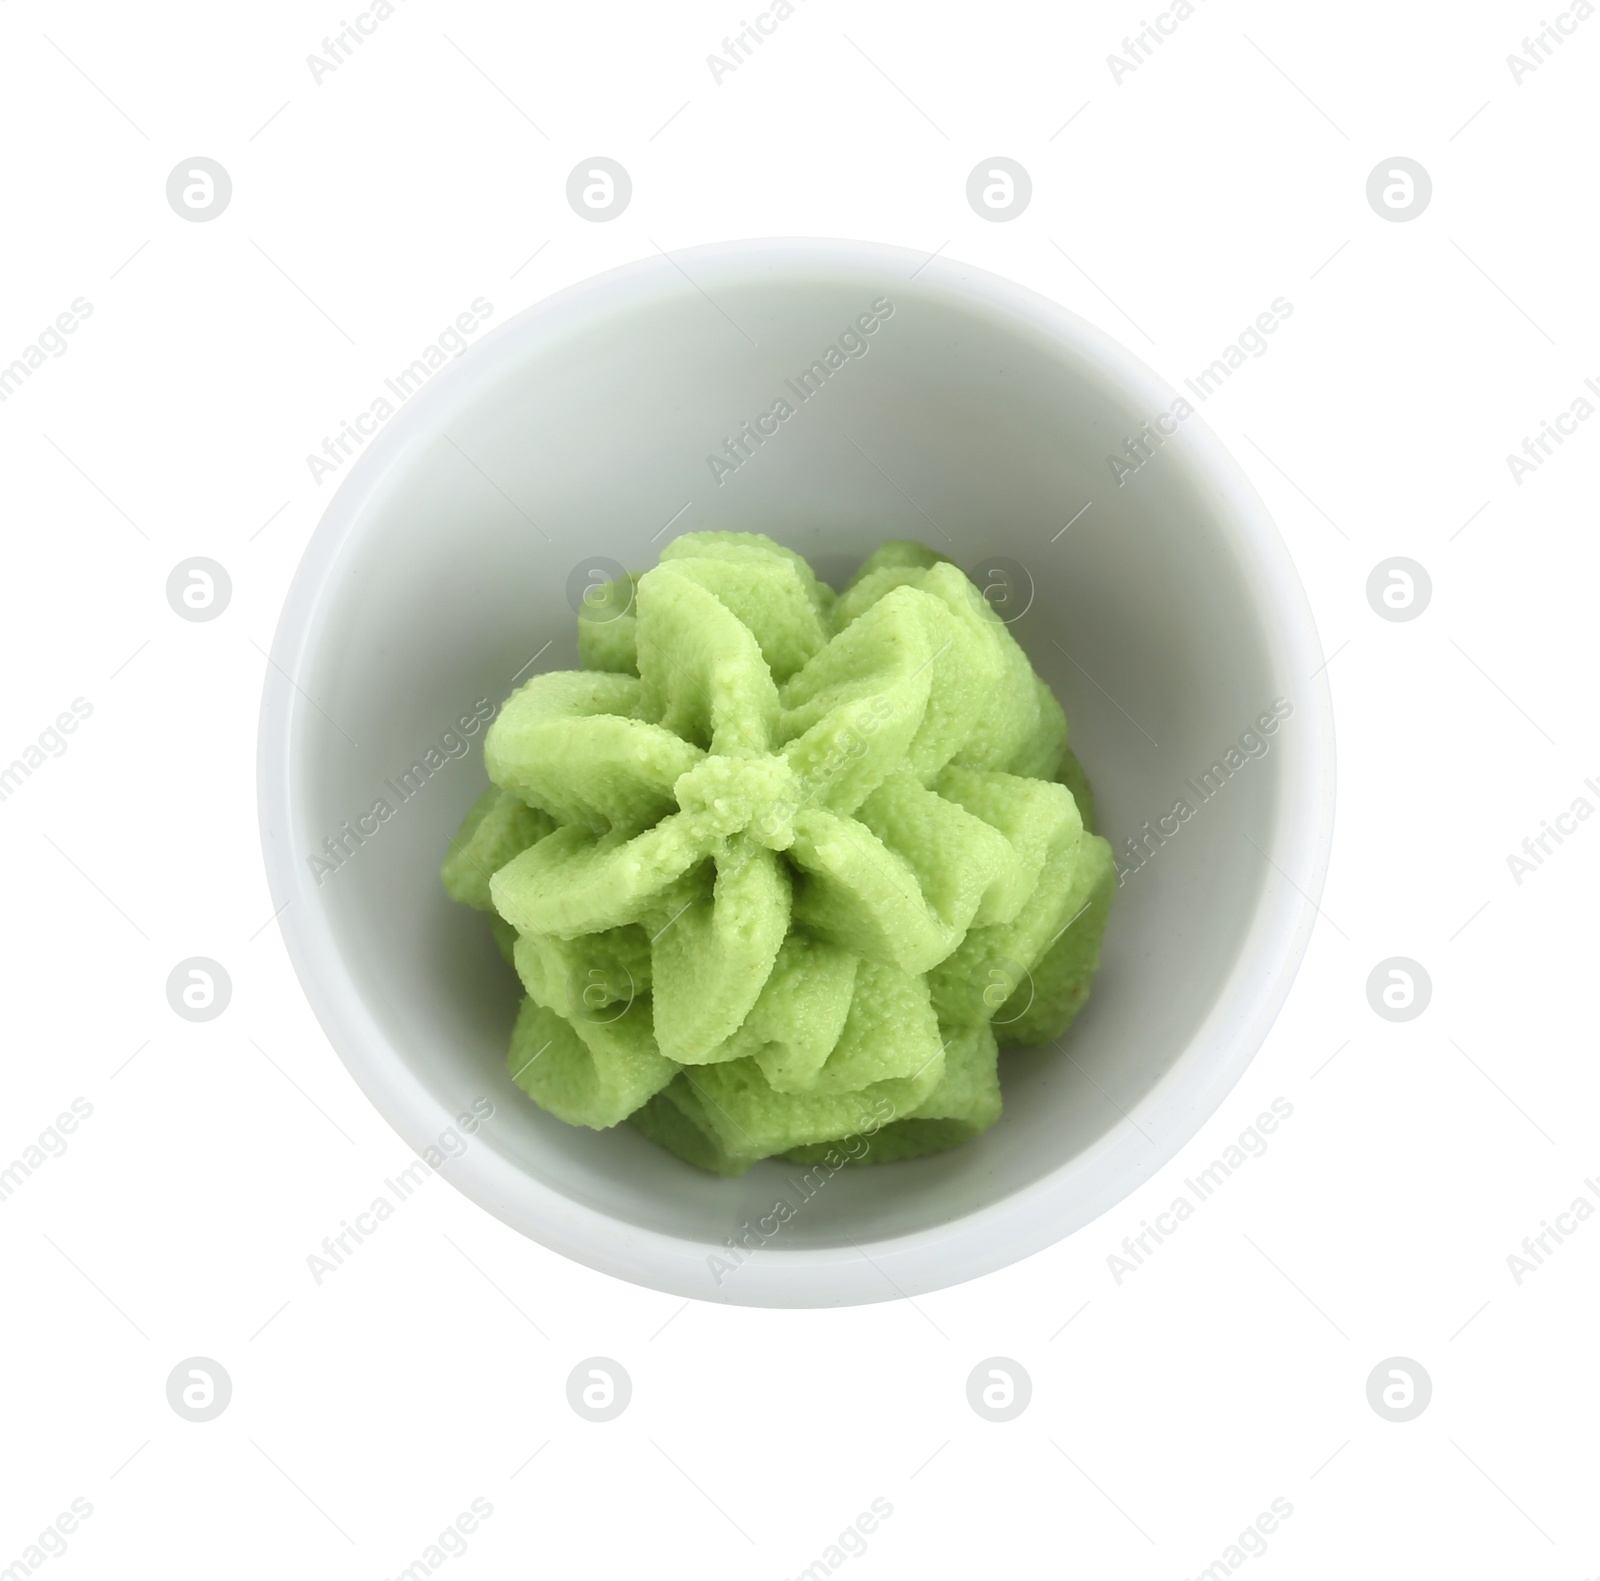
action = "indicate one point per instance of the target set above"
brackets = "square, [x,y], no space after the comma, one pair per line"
[781,869]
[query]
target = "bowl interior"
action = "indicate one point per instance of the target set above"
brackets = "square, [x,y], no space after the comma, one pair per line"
[447,572]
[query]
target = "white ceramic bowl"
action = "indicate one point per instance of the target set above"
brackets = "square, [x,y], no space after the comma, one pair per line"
[979,418]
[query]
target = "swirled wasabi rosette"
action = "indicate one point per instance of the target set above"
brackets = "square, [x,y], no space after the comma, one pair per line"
[780,869]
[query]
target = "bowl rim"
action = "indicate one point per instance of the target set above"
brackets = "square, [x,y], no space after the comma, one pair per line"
[1059,1203]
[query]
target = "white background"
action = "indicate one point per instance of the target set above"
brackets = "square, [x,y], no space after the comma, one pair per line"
[1169,1409]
